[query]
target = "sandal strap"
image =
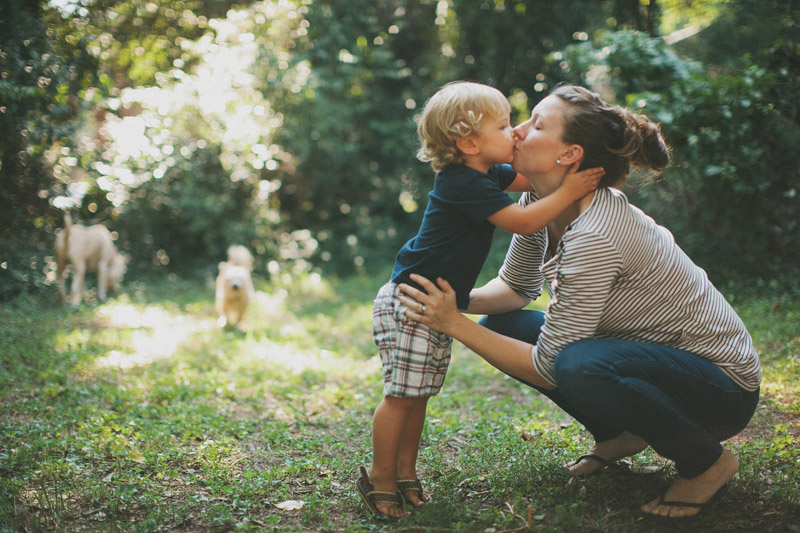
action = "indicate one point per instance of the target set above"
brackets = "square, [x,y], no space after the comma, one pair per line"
[380,496]
[672,503]
[409,484]
[365,477]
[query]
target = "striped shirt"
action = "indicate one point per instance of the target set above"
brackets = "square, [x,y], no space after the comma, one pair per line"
[617,274]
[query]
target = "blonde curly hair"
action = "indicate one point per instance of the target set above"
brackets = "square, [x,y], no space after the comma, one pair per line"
[454,111]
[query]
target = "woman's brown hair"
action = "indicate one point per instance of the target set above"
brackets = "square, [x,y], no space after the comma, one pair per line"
[612,137]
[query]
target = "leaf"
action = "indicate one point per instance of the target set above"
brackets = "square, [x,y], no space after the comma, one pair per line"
[290,505]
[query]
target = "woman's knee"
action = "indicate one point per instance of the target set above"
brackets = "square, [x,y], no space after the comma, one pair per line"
[580,361]
[522,325]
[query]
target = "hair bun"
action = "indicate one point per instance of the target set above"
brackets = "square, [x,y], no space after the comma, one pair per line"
[643,144]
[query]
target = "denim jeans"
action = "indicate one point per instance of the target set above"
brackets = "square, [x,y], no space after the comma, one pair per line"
[681,404]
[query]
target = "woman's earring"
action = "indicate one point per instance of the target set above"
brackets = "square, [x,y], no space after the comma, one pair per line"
[558,161]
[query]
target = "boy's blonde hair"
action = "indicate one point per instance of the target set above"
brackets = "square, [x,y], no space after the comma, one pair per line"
[456,110]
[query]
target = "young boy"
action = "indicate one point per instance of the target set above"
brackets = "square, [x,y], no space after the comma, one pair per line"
[466,135]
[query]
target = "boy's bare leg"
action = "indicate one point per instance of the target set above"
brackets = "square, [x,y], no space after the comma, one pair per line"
[699,489]
[409,449]
[624,445]
[388,424]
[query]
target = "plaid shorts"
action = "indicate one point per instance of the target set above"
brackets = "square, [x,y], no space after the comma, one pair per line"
[414,358]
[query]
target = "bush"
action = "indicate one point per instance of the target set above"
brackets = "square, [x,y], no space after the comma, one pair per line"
[352,180]
[37,108]
[730,195]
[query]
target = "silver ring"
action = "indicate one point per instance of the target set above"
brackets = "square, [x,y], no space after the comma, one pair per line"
[423,309]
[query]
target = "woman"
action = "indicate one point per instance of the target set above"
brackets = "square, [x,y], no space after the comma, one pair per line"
[636,343]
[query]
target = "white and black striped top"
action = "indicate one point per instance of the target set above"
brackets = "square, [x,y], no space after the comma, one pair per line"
[617,274]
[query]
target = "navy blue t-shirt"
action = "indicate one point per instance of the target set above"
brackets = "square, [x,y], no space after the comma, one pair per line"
[454,238]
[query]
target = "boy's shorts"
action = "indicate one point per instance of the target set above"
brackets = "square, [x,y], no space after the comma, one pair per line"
[414,358]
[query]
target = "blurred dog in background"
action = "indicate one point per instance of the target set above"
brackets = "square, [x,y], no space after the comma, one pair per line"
[87,248]
[234,286]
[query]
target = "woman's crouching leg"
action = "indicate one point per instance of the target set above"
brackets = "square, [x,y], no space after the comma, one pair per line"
[681,404]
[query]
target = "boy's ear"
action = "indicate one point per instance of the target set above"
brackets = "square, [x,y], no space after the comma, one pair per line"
[467,145]
[571,155]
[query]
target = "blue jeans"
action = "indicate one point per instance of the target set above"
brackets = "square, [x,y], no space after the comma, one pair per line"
[681,404]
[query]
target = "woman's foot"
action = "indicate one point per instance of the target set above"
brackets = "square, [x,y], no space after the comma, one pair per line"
[624,445]
[689,495]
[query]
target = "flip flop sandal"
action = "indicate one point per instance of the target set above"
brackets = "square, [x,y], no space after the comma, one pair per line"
[702,507]
[412,484]
[619,466]
[371,496]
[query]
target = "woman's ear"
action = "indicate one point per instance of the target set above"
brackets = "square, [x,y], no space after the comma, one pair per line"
[571,155]
[467,145]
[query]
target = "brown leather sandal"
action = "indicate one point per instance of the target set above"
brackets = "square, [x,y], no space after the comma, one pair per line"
[412,484]
[371,496]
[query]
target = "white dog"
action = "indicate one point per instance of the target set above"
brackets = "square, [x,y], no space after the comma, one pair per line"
[87,248]
[234,286]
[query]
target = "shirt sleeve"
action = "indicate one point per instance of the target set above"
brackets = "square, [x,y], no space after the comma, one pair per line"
[586,269]
[505,175]
[521,269]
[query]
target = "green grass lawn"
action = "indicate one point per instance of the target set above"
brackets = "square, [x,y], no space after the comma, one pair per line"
[140,414]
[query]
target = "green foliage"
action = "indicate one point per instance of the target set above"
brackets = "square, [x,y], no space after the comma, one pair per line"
[729,141]
[36,108]
[728,134]
[625,62]
[350,127]
[187,125]
[505,44]
[179,165]
[135,40]
[741,31]
[193,211]
[679,14]
[353,180]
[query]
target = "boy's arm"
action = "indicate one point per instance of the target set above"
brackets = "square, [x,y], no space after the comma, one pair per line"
[526,220]
[520,184]
[495,298]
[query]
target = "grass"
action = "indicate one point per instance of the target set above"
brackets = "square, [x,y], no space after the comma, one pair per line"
[141,415]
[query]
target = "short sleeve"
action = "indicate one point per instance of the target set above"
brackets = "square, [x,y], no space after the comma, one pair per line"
[504,174]
[521,269]
[474,194]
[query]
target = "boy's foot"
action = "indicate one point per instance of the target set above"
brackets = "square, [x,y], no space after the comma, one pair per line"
[624,445]
[686,498]
[383,498]
[414,492]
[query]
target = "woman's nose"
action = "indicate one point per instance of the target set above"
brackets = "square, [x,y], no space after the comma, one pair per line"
[518,133]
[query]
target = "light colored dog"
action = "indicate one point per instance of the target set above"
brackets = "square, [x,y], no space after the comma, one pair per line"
[234,286]
[87,248]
